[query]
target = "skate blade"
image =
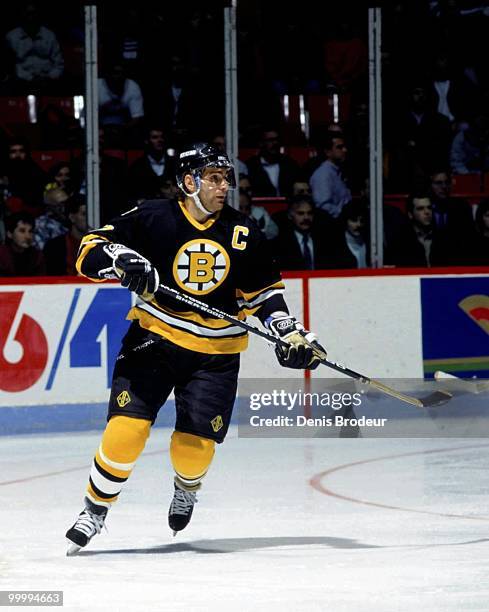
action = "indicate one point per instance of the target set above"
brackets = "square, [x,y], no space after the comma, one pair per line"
[73,549]
[174,533]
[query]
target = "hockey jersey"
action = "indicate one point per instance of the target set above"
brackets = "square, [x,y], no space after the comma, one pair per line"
[225,261]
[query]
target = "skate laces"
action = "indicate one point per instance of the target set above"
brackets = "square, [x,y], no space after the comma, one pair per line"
[90,523]
[182,502]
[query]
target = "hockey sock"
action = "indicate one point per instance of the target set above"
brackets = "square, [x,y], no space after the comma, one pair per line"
[122,443]
[191,457]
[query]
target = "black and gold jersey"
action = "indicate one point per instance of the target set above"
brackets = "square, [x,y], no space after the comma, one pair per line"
[224,261]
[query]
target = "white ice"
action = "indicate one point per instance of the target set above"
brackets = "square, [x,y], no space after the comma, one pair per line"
[262,537]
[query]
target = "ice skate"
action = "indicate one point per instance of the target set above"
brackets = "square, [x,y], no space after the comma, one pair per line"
[181,508]
[89,522]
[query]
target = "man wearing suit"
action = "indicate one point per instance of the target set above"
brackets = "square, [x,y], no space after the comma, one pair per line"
[148,173]
[454,214]
[300,243]
[271,173]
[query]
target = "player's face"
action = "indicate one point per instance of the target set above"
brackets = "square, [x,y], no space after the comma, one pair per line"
[214,188]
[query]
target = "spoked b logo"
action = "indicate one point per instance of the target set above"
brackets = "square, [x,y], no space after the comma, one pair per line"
[200,266]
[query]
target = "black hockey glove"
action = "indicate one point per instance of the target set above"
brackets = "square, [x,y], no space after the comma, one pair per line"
[304,352]
[134,270]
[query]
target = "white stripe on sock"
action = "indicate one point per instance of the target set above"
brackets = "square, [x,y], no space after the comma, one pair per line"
[117,466]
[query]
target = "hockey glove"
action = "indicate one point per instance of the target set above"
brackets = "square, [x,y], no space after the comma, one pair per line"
[134,270]
[303,352]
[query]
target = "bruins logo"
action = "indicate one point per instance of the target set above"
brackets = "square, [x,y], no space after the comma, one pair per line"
[200,266]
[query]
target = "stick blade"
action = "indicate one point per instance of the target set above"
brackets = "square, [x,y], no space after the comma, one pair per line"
[436,399]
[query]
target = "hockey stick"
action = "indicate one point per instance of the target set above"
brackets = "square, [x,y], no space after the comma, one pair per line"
[434,399]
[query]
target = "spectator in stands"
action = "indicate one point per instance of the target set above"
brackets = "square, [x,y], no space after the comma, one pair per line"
[421,244]
[329,190]
[148,173]
[257,213]
[61,177]
[451,94]
[38,57]
[126,33]
[319,139]
[271,173]
[455,214]
[25,178]
[60,253]
[299,245]
[219,141]
[470,148]
[53,222]
[121,107]
[479,252]
[301,188]
[18,257]
[347,245]
[418,138]
[169,189]
[171,101]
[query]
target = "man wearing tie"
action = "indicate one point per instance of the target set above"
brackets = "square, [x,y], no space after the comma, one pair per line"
[298,245]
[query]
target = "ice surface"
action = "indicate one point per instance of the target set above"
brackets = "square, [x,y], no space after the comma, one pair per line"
[386,525]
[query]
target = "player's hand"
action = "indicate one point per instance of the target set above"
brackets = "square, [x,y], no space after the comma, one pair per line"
[303,352]
[134,270]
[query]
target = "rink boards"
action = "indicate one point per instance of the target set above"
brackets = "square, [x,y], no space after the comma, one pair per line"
[59,340]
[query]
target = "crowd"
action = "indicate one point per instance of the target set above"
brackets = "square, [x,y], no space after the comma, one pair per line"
[161,85]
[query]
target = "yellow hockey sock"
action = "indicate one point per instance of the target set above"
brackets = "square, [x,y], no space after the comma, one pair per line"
[191,457]
[123,441]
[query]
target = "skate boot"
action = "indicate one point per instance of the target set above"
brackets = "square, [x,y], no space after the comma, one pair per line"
[89,522]
[181,507]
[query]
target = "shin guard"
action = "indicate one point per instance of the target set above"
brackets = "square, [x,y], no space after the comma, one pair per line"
[122,443]
[191,457]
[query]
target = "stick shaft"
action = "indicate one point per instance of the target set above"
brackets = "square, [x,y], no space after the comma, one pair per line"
[219,314]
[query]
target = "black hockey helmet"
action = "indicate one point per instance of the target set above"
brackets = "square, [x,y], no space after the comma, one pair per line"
[199,156]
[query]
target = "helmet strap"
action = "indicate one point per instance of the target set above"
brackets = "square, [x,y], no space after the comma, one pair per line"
[195,196]
[198,203]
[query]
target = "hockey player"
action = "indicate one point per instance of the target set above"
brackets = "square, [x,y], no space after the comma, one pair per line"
[202,247]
